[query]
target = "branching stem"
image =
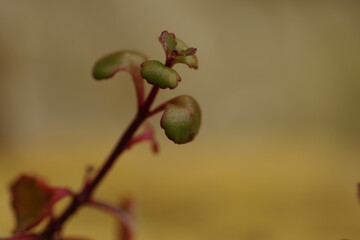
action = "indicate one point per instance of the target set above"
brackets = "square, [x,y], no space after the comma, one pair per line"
[84,196]
[55,226]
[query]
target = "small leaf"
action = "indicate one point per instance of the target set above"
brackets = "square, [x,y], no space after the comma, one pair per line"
[188,52]
[154,72]
[177,51]
[186,56]
[128,61]
[168,41]
[181,119]
[33,200]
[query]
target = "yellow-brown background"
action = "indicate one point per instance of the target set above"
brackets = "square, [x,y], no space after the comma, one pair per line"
[277,156]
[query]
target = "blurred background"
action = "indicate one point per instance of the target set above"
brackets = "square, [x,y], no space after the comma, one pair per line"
[277,156]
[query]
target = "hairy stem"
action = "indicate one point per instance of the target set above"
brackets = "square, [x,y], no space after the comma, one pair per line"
[85,194]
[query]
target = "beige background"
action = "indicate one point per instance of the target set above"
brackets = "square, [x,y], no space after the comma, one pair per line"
[277,156]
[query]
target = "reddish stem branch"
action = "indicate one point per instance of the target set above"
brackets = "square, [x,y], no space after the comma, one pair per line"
[126,233]
[83,197]
[160,107]
[139,87]
[121,214]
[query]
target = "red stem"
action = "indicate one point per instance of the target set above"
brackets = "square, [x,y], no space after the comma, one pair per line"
[123,215]
[125,232]
[160,107]
[139,87]
[84,196]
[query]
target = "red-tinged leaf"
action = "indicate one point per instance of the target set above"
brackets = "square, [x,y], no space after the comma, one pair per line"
[169,43]
[147,135]
[188,52]
[186,56]
[22,237]
[32,201]
[128,61]
[177,51]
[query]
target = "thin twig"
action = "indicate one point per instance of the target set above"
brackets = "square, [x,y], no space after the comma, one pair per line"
[120,214]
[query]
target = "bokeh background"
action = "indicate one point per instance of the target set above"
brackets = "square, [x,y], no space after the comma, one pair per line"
[278,153]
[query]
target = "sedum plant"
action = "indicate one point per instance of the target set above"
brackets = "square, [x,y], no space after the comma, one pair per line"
[33,199]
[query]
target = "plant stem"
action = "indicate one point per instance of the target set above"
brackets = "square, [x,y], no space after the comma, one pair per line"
[122,214]
[85,194]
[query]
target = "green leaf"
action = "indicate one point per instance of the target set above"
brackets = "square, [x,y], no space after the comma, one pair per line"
[186,56]
[128,61]
[154,72]
[107,66]
[32,201]
[181,119]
